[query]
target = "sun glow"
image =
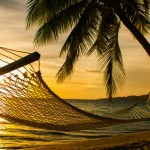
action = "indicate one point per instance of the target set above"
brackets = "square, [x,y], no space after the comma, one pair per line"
[2,120]
[4,75]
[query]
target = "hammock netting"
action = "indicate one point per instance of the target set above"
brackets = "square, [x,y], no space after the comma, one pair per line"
[26,99]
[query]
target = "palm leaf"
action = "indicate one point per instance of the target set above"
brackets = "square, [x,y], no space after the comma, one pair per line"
[137,12]
[82,36]
[59,23]
[110,60]
[147,5]
[104,31]
[39,11]
[114,73]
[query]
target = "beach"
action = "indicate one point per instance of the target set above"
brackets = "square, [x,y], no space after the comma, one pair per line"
[138,140]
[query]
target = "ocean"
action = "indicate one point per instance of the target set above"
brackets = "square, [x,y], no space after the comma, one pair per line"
[14,136]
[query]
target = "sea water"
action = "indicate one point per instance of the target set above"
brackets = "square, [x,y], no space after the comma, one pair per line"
[14,136]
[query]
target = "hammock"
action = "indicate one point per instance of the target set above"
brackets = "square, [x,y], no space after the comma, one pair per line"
[26,99]
[134,111]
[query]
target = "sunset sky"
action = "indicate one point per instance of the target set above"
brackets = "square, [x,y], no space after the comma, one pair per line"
[86,82]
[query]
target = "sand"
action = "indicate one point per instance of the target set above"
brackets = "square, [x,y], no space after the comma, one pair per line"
[132,141]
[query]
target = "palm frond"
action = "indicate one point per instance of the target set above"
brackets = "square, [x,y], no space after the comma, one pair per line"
[38,11]
[110,60]
[33,15]
[147,5]
[82,36]
[59,23]
[66,69]
[105,30]
[100,43]
[138,13]
[114,73]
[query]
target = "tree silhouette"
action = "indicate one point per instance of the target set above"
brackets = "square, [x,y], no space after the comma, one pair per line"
[94,26]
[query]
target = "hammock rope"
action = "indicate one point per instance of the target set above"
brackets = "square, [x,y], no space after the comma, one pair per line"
[26,99]
[134,111]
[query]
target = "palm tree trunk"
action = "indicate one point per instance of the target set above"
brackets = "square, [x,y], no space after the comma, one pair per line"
[142,40]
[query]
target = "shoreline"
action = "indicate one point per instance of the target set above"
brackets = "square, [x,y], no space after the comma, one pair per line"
[125,141]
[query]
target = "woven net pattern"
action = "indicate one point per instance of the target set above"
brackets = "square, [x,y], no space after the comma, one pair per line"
[138,110]
[26,99]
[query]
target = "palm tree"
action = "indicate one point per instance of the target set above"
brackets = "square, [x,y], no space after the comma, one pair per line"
[94,26]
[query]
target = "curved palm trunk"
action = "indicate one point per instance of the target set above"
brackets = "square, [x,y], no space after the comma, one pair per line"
[133,29]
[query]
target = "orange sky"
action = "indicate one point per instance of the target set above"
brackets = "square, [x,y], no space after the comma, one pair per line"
[87,81]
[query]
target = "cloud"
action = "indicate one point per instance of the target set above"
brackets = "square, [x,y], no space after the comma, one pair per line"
[12,5]
[93,71]
[12,13]
[50,57]
[89,84]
